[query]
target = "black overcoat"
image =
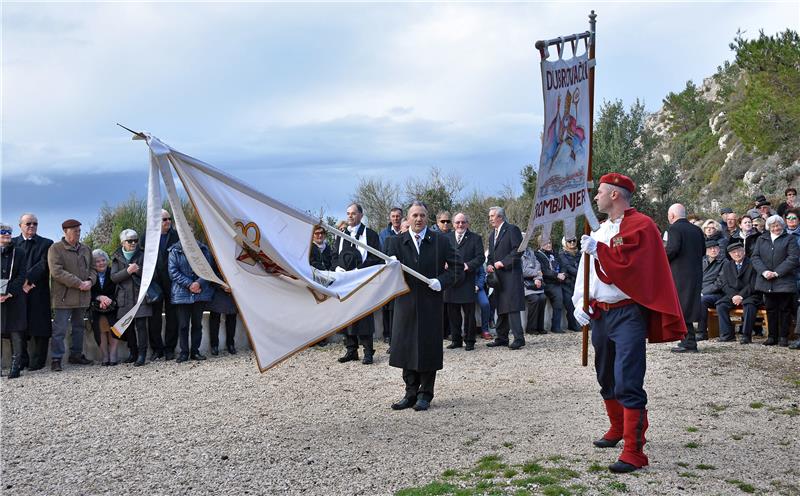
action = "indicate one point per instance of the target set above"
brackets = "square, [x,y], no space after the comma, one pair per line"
[320,259]
[345,255]
[711,270]
[742,284]
[13,313]
[686,247]
[38,273]
[511,297]
[779,256]
[417,322]
[471,252]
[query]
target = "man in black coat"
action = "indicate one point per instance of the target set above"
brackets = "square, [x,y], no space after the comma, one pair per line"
[37,287]
[737,281]
[417,333]
[166,348]
[348,256]
[711,292]
[553,278]
[461,297]
[506,262]
[686,247]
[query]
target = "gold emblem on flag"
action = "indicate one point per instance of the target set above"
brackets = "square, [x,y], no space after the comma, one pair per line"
[252,258]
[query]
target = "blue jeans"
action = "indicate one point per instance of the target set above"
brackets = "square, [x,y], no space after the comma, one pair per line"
[486,311]
[61,323]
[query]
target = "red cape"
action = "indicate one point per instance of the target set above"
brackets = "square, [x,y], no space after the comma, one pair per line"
[637,264]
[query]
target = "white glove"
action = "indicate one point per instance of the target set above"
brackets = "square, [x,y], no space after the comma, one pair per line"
[582,317]
[339,269]
[435,285]
[393,257]
[588,244]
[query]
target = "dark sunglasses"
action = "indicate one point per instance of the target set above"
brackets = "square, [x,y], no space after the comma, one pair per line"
[164,219]
[29,224]
[444,221]
[5,231]
[572,241]
[791,217]
[133,241]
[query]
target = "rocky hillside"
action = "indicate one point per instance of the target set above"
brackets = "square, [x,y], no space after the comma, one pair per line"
[738,133]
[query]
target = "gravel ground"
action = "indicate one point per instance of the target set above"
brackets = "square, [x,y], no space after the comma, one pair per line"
[314,426]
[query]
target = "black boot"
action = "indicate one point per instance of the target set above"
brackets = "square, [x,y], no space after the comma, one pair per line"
[231,349]
[140,359]
[15,368]
[350,356]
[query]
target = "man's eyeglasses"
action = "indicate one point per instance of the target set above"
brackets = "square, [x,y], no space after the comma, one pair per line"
[444,221]
[132,241]
[29,224]
[572,241]
[165,219]
[5,231]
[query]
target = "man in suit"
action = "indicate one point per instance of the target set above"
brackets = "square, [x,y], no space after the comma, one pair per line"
[417,340]
[37,287]
[348,256]
[737,282]
[461,297]
[393,229]
[686,248]
[506,262]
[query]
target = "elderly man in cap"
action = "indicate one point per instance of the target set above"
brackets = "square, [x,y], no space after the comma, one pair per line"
[711,291]
[625,313]
[72,269]
[737,282]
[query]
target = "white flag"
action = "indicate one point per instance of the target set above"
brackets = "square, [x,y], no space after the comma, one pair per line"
[261,247]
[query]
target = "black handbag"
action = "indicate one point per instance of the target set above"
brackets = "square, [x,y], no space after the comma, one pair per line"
[154,294]
[493,281]
[95,307]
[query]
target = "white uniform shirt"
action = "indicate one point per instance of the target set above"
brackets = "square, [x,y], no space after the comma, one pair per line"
[598,290]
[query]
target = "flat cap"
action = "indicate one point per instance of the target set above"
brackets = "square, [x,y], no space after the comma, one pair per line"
[712,242]
[70,223]
[735,245]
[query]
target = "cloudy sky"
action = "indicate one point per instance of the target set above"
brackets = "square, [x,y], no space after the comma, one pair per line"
[301,100]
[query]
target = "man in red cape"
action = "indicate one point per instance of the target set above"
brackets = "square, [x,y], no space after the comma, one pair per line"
[632,299]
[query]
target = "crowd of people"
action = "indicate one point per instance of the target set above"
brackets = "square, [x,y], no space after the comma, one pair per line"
[50,288]
[750,261]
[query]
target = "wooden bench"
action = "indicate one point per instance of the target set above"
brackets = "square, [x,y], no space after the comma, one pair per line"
[736,318]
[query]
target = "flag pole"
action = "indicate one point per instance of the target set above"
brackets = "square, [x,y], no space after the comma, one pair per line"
[377,253]
[586,229]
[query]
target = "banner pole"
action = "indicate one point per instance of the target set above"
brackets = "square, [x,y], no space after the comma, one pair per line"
[586,229]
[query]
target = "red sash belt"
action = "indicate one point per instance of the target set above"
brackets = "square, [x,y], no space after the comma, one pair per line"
[596,306]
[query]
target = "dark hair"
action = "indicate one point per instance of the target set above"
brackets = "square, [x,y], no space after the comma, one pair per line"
[790,190]
[418,203]
[358,207]
[396,209]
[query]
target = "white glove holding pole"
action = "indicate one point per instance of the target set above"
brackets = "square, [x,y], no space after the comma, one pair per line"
[435,285]
[582,317]
[588,245]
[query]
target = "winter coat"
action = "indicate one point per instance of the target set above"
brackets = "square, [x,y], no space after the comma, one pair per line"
[742,283]
[532,272]
[471,252]
[222,301]
[417,324]
[161,276]
[320,259]
[108,289]
[686,247]
[38,301]
[780,256]
[711,270]
[182,276]
[69,267]
[511,295]
[569,266]
[13,312]
[128,285]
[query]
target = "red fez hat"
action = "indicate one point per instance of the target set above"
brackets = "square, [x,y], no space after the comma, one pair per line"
[616,179]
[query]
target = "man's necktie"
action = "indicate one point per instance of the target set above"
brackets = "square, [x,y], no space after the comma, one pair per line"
[417,240]
[738,268]
[460,237]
